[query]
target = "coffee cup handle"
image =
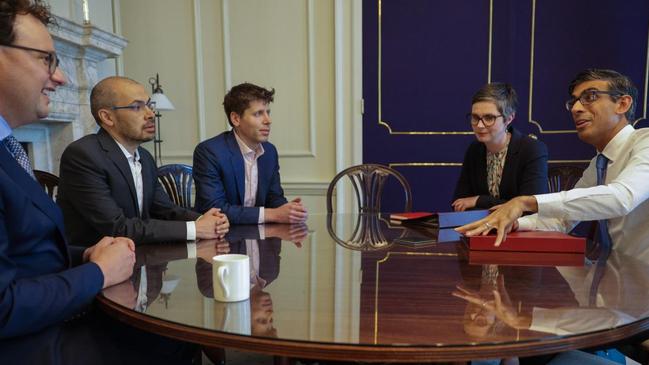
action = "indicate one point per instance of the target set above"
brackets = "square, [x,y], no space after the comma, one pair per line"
[223,270]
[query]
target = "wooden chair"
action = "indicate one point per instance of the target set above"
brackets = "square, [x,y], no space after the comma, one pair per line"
[564,177]
[48,181]
[368,181]
[177,181]
[369,231]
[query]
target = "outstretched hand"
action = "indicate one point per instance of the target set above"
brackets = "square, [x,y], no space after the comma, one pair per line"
[502,219]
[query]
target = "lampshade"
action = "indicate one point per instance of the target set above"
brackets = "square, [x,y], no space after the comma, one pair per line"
[162,102]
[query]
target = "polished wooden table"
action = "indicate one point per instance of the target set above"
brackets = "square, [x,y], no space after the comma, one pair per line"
[358,288]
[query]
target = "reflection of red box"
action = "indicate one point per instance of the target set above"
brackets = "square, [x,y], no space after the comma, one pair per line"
[513,258]
[532,241]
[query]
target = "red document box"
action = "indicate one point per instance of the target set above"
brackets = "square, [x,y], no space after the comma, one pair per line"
[513,258]
[533,241]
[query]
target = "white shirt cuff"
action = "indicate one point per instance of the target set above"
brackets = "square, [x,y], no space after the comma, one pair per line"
[548,207]
[191,250]
[191,231]
[527,223]
[261,216]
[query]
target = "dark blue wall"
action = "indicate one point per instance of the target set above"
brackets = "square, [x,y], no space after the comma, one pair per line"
[434,54]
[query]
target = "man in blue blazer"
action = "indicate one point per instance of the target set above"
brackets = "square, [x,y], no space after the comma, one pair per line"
[38,286]
[238,171]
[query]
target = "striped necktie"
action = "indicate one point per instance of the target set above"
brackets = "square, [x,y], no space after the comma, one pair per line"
[19,154]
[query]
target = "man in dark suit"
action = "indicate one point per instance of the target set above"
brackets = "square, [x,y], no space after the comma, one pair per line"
[238,171]
[38,286]
[109,184]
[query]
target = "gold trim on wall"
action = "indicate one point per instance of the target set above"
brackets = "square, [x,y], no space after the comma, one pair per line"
[380,100]
[459,164]
[530,104]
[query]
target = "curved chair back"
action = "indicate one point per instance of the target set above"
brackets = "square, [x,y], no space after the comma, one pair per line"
[564,177]
[48,181]
[368,181]
[177,181]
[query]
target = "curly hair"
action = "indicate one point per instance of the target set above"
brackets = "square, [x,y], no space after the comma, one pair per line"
[10,8]
[239,97]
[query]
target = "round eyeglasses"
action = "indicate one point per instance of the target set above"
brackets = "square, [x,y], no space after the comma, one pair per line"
[488,119]
[590,96]
[50,59]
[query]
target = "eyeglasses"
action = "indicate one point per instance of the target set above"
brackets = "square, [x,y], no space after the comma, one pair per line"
[51,60]
[488,119]
[137,106]
[590,96]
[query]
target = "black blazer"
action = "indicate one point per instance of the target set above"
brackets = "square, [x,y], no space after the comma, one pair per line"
[98,198]
[525,171]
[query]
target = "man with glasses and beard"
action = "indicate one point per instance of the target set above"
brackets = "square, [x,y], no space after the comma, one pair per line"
[109,183]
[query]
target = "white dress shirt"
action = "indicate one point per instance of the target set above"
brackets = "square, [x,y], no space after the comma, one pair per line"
[623,200]
[136,172]
[250,157]
[622,297]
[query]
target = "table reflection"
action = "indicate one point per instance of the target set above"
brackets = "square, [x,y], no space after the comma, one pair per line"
[306,285]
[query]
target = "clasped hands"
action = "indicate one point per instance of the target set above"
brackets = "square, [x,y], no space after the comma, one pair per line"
[291,212]
[212,224]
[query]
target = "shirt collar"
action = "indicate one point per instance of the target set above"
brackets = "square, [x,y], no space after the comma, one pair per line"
[127,154]
[614,146]
[245,150]
[5,129]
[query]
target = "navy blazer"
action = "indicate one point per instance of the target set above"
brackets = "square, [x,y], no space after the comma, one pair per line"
[37,286]
[525,171]
[220,179]
[98,198]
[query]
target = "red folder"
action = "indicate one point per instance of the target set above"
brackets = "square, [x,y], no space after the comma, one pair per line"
[409,215]
[513,258]
[439,220]
[532,241]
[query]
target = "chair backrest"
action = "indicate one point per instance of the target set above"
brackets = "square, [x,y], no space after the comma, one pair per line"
[177,181]
[48,181]
[564,177]
[368,181]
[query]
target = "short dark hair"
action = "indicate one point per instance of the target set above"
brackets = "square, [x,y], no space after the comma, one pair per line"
[616,82]
[238,99]
[499,93]
[10,8]
[104,93]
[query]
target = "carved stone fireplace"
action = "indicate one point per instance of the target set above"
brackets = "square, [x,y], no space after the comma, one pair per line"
[80,48]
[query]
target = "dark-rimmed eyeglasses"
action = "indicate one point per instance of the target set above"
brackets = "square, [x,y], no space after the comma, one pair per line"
[488,119]
[51,60]
[590,96]
[137,106]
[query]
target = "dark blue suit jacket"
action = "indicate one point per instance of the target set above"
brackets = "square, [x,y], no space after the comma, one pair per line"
[37,286]
[220,179]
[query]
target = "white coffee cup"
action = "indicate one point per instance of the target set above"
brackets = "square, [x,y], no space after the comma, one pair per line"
[231,277]
[233,317]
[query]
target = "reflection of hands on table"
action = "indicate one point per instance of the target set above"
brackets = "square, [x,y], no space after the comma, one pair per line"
[206,249]
[500,305]
[295,233]
[502,219]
